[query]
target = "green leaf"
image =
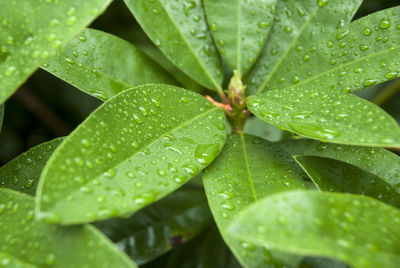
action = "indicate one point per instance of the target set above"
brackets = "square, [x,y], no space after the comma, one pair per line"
[365,54]
[9,261]
[134,149]
[34,244]
[240,29]
[336,176]
[206,251]
[22,173]
[158,228]
[248,169]
[327,115]
[103,65]
[297,29]
[31,32]
[184,37]
[1,115]
[356,229]
[257,127]
[377,161]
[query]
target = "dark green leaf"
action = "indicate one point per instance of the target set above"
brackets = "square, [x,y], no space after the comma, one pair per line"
[32,31]
[161,226]
[327,115]
[298,28]
[377,161]
[206,251]
[103,65]
[365,54]
[336,176]
[356,229]
[240,29]
[248,169]
[23,172]
[33,244]
[1,115]
[183,37]
[134,149]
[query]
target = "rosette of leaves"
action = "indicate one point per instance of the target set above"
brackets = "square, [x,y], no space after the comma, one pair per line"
[293,64]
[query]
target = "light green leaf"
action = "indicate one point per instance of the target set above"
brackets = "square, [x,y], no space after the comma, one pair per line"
[327,115]
[9,261]
[366,54]
[377,161]
[356,229]
[206,251]
[298,27]
[103,65]
[248,169]
[34,244]
[23,172]
[257,127]
[184,37]
[336,176]
[32,31]
[158,228]
[134,149]
[240,29]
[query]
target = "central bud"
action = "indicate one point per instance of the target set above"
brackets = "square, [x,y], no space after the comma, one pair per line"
[238,113]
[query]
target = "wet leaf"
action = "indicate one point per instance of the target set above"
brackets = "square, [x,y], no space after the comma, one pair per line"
[205,251]
[158,228]
[248,169]
[34,244]
[103,65]
[23,172]
[184,37]
[356,229]
[31,32]
[336,176]
[327,115]
[240,29]
[298,28]
[134,149]
[377,161]
[366,54]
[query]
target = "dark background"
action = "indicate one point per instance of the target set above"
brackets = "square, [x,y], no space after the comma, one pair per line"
[46,107]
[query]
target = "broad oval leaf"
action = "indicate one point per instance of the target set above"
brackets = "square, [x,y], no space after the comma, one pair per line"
[184,37]
[31,32]
[297,26]
[133,150]
[240,29]
[103,65]
[160,227]
[356,229]
[205,251]
[377,161]
[53,246]
[336,176]
[327,115]
[365,54]
[23,172]
[248,169]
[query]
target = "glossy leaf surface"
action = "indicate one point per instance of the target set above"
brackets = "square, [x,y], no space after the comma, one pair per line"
[356,229]
[336,176]
[327,115]
[206,251]
[297,27]
[184,37]
[248,169]
[240,29]
[103,65]
[31,32]
[377,161]
[161,226]
[133,150]
[23,172]
[366,54]
[29,242]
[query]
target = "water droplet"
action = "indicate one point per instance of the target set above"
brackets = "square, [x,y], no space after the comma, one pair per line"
[205,153]
[322,3]
[384,23]
[367,31]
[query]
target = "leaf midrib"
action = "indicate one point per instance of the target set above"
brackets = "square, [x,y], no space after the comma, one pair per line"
[140,149]
[246,160]
[238,38]
[290,47]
